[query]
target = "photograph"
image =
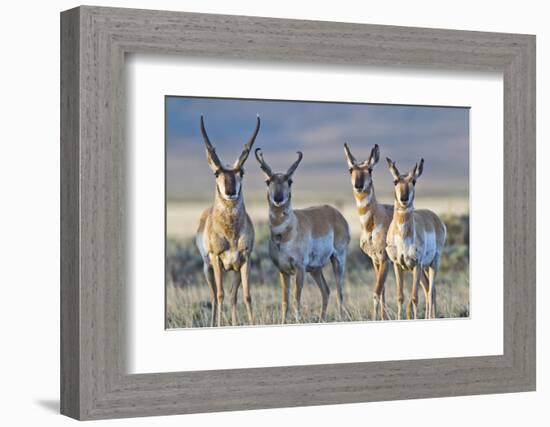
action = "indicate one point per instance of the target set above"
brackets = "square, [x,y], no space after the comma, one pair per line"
[271,210]
[307,212]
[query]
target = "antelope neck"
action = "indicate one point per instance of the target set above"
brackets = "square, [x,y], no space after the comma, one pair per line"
[232,209]
[403,215]
[365,202]
[280,216]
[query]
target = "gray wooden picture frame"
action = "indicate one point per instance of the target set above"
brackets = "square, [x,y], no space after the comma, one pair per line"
[94,41]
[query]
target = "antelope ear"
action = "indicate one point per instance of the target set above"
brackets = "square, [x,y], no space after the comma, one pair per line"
[266,176]
[294,165]
[374,156]
[349,157]
[212,163]
[418,168]
[211,156]
[266,170]
[392,168]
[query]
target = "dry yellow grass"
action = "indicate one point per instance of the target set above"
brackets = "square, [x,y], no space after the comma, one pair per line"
[190,306]
[188,295]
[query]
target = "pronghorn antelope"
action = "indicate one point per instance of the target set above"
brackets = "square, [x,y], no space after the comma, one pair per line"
[375,220]
[415,240]
[303,240]
[225,236]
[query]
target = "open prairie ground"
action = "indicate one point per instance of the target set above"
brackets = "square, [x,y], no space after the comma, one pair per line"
[188,295]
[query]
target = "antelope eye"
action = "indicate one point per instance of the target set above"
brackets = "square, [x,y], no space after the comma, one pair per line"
[217,174]
[395,181]
[350,170]
[414,181]
[241,173]
[289,182]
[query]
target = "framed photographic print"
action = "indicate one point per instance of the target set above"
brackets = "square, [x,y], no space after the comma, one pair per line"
[261,213]
[309,225]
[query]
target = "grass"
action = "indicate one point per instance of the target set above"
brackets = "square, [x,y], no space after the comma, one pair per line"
[188,296]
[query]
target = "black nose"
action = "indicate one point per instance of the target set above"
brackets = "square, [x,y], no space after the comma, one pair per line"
[404,199]
[359,182]
[278,197]
[230,185]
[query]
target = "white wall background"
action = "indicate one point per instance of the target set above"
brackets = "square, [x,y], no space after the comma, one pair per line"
[29,212]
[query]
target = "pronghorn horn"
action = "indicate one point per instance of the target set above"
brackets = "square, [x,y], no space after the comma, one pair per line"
[349,157]
[263,165]
[210,150]
[393,168]
[292,168]
[374,156]
[244,155]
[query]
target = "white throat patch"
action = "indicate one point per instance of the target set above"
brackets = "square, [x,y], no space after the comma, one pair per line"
[365,201]
[279,229]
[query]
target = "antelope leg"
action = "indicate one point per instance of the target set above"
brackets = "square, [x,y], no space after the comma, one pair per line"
[298,286]
[285,289]
[399,283]
[317,275]
[245,268]
[216,266]
[209,274]
[234,293]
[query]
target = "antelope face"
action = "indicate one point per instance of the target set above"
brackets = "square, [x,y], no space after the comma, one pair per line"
[361,179]
[361,172]
[278,189]
[404,190]
[278,184]
[404,185]
[228,178]
[228,183]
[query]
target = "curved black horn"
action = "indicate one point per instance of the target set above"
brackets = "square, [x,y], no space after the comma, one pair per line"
[211,151]
[292,168]
[246,151]
[263,165]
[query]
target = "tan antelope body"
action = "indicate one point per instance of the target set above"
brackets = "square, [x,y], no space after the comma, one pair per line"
[375,221]
[225,236]
[415,241]
[303,240]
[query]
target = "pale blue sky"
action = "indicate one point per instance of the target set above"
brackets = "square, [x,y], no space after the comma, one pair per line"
[404,133]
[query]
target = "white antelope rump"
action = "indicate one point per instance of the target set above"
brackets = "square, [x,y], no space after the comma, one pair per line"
[303,240]
[225,236]
[415,241]
[375,220]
